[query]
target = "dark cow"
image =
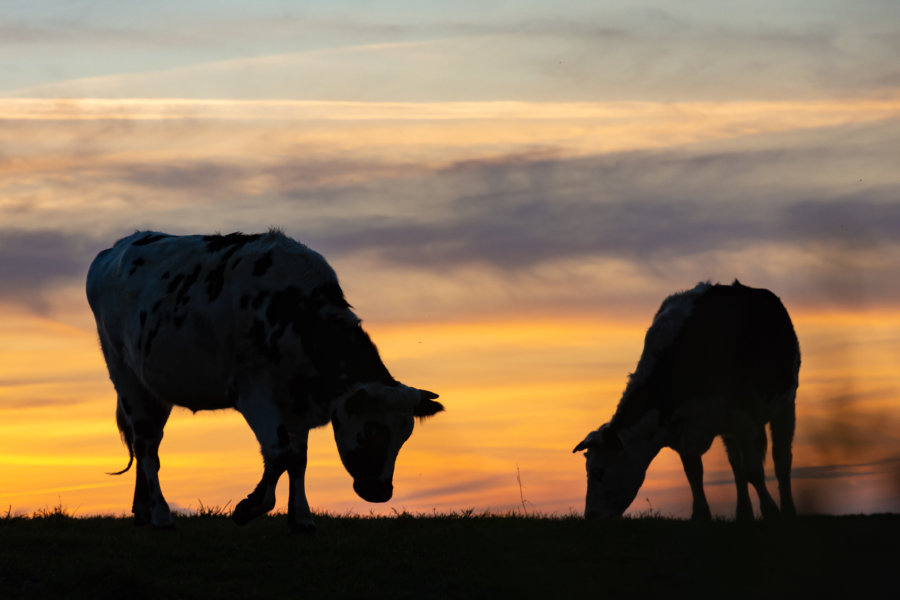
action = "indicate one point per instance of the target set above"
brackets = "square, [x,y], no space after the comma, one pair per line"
[717,360]
[257,323]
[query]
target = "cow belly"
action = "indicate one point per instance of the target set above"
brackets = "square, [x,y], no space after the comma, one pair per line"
[693,440]
[193,393]
[696,423]
[187,376]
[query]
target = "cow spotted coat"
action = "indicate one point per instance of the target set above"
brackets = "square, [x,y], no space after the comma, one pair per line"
[257,323]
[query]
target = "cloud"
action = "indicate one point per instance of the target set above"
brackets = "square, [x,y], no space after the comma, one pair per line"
[517,213]
[791,216]
[464,487]
[885,465]
[40,401]
[594,54]
[210,177]
[62,31]
[32,262]
[858,221]
[820,204]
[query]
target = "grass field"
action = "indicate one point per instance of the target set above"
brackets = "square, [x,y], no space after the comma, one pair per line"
[53,555]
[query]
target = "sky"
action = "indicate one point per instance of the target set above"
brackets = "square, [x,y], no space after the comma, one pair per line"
[507,191]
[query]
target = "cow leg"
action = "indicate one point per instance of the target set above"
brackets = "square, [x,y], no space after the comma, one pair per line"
[746,455]
[693,468]
[735,457]
[147,436]
[260,501]
[141,418]
[140,505]
[756,474]
[265,420]
[299,516]
[782,428]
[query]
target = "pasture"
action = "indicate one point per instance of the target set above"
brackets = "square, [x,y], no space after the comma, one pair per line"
[465,555]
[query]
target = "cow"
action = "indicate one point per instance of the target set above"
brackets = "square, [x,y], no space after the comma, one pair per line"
[718,360]
[257,323]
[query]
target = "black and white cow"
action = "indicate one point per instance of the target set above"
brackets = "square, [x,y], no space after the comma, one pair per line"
[717,360]
[257,323]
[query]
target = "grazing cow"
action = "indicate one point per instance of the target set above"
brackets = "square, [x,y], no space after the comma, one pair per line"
[257,323]
[717,360]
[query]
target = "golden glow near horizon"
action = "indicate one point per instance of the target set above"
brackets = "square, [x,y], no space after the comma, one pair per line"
[519,393]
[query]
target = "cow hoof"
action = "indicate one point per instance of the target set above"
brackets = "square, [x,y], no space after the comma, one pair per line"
[246,511]
[242,514]
[141,516]
[302,528]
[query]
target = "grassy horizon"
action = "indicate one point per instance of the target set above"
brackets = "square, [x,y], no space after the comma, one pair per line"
[460,555]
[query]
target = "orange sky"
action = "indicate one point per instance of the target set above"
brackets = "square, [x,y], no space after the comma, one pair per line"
[519,392]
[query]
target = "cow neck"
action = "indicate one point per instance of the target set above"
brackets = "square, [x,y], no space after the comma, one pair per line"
[349,358]
[638,422]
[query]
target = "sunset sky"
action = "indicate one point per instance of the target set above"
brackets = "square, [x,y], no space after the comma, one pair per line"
[507,191]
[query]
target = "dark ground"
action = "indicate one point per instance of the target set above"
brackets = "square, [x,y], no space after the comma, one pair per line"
[457,556]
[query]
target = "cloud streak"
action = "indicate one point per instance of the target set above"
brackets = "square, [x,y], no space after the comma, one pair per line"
[814,113]
[32,262]
[885,465]
[825,197]
[347,53]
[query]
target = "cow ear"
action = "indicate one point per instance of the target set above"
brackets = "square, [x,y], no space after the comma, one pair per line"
[426,406]
[592,439]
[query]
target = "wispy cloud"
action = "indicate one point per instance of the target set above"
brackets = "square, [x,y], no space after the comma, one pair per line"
[57,490]
[32,262]
[888,464]
[590,53]
[824,198]
[880,467]
[462,488]
[307,74]
[752,116]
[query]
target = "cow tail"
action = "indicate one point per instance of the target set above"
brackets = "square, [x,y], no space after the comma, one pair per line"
[127,438]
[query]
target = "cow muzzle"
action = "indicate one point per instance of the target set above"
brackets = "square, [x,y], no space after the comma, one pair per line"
[373,490]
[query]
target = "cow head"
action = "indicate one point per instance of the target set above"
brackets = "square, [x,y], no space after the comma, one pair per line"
[370,424]
[613,476]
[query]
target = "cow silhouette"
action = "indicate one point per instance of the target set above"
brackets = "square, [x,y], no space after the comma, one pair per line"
[717,361]
[257,323]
